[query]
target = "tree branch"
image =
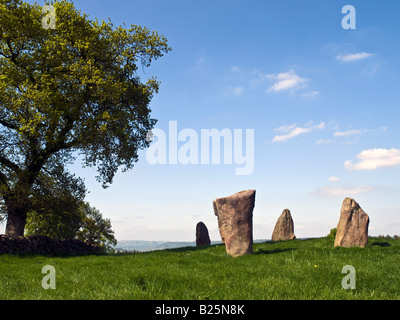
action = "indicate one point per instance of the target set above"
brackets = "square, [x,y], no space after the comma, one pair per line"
[8,125]
[4,184]
[13,58]
[11,165]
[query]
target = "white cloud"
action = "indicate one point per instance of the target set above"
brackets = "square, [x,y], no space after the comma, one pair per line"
[371,69]
[322,141]
[347,133]
[320,126]
[333,179]
[258,78]
[286,128]
[233,91]
[342,191]
[375,158]
[311,94]
[235,68]
[286,81]
[353,57]
[293,131]
[237,91]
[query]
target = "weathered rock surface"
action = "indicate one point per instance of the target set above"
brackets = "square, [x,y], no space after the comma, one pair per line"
[45,246]
[284,227]
[202,236]
[235,221]
[352,229]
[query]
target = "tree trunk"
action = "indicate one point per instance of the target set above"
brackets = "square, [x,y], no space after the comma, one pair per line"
[16,220]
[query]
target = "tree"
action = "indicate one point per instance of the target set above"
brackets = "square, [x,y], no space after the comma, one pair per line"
[56,201]
[73,219]
[3,211]
[72,90]
[94,229]
[332,233]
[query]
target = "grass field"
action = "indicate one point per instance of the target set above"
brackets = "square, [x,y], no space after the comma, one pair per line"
[296,270]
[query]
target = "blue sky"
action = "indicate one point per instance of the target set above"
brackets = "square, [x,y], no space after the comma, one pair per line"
[323,103]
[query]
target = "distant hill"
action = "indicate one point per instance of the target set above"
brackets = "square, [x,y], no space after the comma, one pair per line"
[144,246]
[140,245]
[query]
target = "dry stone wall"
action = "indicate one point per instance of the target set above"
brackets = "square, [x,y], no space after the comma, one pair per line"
[45,246]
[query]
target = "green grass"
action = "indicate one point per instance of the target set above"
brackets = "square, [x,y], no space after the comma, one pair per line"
[296,270]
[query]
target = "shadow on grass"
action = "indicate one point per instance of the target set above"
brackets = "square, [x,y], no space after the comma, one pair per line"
[381,244]
[262,251]
[185,249]
[256,251]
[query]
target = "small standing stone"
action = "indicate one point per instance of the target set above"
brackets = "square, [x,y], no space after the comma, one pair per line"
[235,221]
[284,227]
[202,236]
[352,229]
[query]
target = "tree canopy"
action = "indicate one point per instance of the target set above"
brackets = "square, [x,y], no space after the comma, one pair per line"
[72,219]
[69,90]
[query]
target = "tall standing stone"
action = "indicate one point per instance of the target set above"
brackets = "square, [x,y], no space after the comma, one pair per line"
[284,227]
[235,221]
[352,229]
[202,236]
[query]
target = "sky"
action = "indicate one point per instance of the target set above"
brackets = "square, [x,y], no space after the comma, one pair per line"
[321,99]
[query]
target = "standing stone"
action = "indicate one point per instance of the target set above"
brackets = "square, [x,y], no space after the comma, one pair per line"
[235,221]
[284,227]
[352,229]
[202,236]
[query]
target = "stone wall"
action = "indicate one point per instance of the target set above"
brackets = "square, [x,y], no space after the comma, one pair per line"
[45,246]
